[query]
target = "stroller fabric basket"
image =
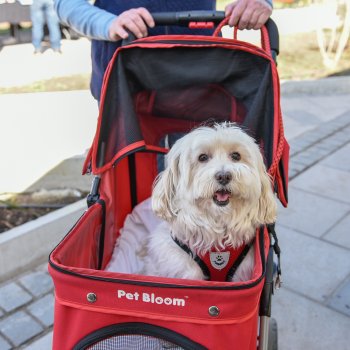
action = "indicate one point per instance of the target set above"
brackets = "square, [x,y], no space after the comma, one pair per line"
[155,89]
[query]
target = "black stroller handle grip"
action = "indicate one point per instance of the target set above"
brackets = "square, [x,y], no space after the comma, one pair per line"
[183,18]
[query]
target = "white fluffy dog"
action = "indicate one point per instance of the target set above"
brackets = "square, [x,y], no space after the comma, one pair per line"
[213,195]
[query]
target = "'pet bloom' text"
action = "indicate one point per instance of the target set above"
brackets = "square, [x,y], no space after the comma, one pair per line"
[150,298]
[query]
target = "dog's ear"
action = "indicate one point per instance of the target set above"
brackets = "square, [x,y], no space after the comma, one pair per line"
[164,189]
[267,202]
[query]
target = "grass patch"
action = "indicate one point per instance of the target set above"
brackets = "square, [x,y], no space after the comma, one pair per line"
[73,82]
[300,58]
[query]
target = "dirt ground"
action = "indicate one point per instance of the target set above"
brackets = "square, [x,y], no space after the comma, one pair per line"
[22,208]
[12,217]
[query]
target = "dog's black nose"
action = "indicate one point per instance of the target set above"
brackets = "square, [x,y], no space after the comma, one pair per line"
[223,177]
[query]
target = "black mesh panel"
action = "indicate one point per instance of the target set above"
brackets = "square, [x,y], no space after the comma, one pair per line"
[192,83]
[134,342]
[136,336]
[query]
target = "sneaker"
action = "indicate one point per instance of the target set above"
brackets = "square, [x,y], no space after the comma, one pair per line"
[57,50]
[38,51]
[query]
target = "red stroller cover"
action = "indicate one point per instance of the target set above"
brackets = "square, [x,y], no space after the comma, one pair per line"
[154,87]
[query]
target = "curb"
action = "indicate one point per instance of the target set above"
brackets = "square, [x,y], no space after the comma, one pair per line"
[324,86]
[30,244]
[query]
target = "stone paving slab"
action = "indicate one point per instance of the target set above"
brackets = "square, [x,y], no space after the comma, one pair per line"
[339,159]
[37,283]
[27,305]
[44,343]
[303,212]
[43,310]
[13,296]
[339,234]
[319,144]
[304,324]
[4,345]
[322,107]
[311,267]
[325,181]
[20,327]
[340,301]
[304,113]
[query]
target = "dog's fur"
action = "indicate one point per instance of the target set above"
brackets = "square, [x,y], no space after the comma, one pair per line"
[214,192]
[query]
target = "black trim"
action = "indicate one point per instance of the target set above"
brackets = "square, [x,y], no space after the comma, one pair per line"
[137,328]
[132,178]
[141,149]
[196,258]
[101,246]
[201,43]
[238,261]
[283,178]
[163,285]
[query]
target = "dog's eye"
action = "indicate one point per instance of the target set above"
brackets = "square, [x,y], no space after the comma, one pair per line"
[203,157]
[235,156]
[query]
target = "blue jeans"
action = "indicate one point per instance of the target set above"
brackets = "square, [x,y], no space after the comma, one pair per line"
[41,11]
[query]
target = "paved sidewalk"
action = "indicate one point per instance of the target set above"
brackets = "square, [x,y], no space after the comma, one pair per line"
[313,307]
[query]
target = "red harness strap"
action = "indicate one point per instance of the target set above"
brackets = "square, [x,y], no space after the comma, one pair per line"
[220,262]
[218,265]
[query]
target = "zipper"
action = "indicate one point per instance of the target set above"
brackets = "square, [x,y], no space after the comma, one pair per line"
[164,285]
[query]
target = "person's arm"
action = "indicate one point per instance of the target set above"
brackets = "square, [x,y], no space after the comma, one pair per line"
[99,24]
[249,14]
[84,18]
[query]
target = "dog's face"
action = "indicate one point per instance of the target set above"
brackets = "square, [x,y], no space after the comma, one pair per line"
[215,177]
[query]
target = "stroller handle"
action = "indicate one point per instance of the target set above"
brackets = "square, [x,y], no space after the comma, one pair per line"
[183,18]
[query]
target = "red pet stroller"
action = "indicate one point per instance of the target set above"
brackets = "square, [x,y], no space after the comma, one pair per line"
[154,87]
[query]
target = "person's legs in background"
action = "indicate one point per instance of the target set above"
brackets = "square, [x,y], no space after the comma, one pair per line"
[38,20]
[53,25]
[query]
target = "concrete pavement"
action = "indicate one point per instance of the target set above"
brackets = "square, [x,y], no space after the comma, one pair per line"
[313,306]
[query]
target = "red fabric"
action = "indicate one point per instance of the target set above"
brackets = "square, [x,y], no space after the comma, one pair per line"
[179,305]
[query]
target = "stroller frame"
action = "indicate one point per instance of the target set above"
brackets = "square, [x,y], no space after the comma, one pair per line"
[79,279]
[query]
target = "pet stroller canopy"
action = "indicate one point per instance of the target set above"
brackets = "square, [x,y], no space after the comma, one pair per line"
[161,85]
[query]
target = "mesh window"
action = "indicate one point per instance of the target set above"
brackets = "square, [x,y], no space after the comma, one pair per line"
[136,336]
[176,89]
[134,342]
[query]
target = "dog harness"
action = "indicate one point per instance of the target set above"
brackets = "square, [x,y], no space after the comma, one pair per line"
[218,265]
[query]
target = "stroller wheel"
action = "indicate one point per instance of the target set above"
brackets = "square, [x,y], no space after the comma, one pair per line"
[273,335]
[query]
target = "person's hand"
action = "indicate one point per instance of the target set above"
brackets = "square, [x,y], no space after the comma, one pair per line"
[248,14]
[136,21]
